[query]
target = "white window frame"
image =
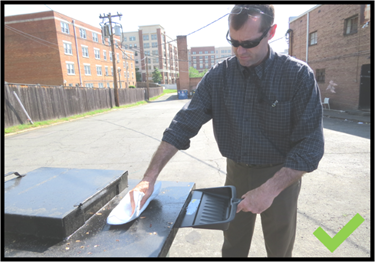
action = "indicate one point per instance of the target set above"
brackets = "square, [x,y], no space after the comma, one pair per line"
[87,72]
[66,43]
[90,85]
[146,45]
[99,72]
[105,55]
[64,27]
[131,38]
[70,68]
[87,49]
[112,70]
[97,53]
[108,85]
[100,85]
[82,33]
[154,44]
[106,70]
[146,37]
[95,37]
[110,56]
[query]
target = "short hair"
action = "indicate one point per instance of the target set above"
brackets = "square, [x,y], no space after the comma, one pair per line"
[237,21]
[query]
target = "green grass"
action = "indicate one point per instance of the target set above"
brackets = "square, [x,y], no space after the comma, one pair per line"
[14,129]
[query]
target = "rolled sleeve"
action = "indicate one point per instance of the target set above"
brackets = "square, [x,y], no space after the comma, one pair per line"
[307,141]
[188,121]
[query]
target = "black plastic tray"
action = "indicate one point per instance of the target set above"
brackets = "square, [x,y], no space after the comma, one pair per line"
[211,208]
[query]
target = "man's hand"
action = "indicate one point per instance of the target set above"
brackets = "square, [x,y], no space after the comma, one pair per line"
[255,201]
[145,187]
[259,199]
[162,155]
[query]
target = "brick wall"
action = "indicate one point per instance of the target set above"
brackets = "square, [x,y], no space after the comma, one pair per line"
[340,55]
[38,61]
[28,59]
[184,64]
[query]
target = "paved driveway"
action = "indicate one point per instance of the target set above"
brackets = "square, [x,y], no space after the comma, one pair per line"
[125,139]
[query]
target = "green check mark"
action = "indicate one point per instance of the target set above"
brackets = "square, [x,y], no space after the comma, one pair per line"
[341,236]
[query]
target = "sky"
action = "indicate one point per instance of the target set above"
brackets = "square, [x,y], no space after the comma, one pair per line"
[176,19]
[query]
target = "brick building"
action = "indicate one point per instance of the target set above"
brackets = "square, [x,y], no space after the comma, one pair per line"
[53,49]
[223,53]
[335,41]
[202,57]
[152,41]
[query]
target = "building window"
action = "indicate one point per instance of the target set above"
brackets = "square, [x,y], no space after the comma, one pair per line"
[206,57]
[95,37]
[200,52]
[145,37]
[155,52]
[206,52]
[89,85]
[97,53]
[212,52]
[85,51]
[64,27]
[132,38]
[154,37]
[99,70]
[135,45]
[100,85]
[118,57]
[67,48]
[70,68]
[351,25]
[147,53]
[110,55]
[130,46]
[313,38]
[82,33]
[146,45]
[200,66]
[320,75]
[87,70]
[111,70]
[131,65]
[123,63]
[108,85]
[124,39]
[106,70]
[194,53]
[104,55]
[154,44]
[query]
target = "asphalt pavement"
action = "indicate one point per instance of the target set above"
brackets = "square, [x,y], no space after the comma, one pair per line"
[125,139]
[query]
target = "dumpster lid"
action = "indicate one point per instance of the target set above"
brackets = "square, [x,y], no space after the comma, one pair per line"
[54,202]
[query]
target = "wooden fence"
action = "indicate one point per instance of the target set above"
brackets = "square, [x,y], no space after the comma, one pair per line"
[53,102]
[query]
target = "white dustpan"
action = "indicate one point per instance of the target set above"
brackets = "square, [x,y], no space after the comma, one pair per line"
[122,213]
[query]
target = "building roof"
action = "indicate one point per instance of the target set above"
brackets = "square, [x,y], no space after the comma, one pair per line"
[295,18]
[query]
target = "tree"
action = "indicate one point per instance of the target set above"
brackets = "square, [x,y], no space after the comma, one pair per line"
[195,73]
[156,76]
[138,75]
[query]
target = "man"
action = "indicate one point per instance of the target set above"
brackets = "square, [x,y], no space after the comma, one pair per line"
[267,119]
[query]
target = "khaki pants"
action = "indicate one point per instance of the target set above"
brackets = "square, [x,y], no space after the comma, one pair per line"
[278,221]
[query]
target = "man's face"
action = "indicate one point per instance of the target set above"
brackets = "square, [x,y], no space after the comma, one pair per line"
[248,32]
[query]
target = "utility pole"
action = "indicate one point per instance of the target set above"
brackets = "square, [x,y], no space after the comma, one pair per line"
[109,16]
[148,89]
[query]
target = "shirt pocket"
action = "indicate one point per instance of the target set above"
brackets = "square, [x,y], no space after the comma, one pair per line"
[275,119]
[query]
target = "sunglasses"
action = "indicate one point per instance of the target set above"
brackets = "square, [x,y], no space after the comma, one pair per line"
[251,11]
[247,44]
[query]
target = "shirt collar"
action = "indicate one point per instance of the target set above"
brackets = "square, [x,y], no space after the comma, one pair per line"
[259,69]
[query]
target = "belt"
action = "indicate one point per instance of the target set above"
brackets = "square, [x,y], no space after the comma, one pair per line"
[258,166]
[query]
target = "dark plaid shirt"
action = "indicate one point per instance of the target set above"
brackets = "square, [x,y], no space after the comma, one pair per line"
[272,116]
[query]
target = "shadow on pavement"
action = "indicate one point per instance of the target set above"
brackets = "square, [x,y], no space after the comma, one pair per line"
[348,127]
[172,97]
